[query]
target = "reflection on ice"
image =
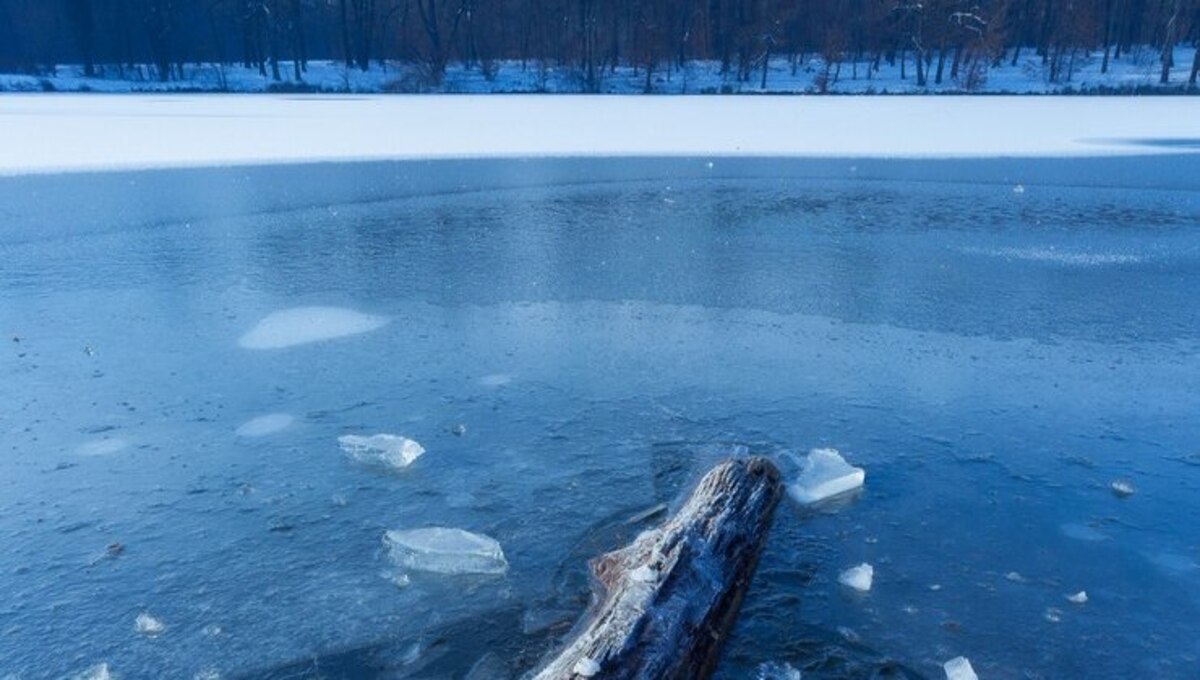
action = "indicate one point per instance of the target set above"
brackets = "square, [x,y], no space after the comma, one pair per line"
[265,425]
[302,325]
[102,447]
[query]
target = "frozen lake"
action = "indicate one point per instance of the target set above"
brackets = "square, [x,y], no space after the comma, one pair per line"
[573,342]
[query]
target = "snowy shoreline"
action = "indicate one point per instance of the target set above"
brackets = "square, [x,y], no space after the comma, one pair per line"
[90,132]
[1138,71]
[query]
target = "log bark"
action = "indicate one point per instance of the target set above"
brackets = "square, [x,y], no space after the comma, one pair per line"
[663,605]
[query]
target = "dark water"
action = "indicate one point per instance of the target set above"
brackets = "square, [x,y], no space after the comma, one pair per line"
[994,355]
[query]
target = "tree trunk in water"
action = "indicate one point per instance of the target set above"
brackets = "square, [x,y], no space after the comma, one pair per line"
[666,602]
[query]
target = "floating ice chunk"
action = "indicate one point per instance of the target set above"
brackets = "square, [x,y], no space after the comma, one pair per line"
[777,671]
[495,380]
[148,625]
[301,325]
[102,447]
[1053,615]
[98,672]
[265,425]
[1078,598]
[959,668]
[1122,488]
[825,474]
[858,578]
[387,450]
[586,668]
[445,551]
[1015,577]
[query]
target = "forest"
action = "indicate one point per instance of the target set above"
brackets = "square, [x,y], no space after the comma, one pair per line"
[934,39]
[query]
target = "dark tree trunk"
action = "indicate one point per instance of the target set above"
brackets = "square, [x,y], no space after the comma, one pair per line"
[665,603]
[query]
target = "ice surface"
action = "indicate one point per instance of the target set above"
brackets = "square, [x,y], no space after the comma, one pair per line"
[302,325]
[265,425]
[959,668]
[149,625]
[386,450]
[85,132]
[1081,532]
[825,474]
[858,578]
[445,551]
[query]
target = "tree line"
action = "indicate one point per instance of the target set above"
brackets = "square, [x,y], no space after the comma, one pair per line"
[931,40]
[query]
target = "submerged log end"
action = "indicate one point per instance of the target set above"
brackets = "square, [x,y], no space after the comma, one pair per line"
[664,604]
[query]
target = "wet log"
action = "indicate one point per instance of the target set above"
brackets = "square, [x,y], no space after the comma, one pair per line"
[663,605]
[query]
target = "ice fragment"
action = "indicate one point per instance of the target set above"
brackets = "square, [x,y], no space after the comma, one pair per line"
[825,474]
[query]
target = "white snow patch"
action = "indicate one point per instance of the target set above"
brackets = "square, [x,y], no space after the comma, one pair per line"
[959,668]
[825,474]
[1054,255]
[777,671]
[445,551]
[644,574]
[858,578]
[265,425]
[148,625]
[386,450]
[102,447]
[302,325]
[586,668]
[71,132]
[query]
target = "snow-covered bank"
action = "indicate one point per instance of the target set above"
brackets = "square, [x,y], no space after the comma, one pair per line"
[49,133]
[1139,70]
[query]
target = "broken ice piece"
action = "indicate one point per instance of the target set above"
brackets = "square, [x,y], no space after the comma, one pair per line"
[959,668]
[1015,577]
[825,474]
[586,668]
[386,450]
[1053,615]
[1078,598]
[858,578]
[1122,488]
[445,551]
[148,625]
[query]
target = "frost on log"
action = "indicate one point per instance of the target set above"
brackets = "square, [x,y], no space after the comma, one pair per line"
[664,604]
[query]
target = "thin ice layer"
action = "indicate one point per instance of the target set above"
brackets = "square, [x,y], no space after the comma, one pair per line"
[445,551]
[825,474]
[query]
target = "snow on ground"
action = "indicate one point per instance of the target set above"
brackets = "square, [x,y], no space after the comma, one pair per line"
[1137,69]
[47,133]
